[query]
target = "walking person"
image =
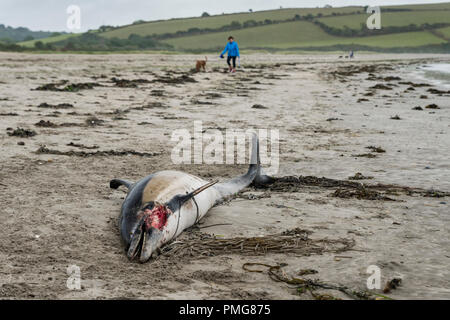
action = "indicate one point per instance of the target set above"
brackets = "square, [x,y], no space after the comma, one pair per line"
[233,53]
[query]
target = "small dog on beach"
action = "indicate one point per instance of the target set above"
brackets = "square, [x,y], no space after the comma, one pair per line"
[201,64]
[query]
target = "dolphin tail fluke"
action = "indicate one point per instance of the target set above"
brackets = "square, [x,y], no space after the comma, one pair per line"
[262,179]
[116,183]
[254,175]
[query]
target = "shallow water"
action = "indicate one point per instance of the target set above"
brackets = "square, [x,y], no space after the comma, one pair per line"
[437,73]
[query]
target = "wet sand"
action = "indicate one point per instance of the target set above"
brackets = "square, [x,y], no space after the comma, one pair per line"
[57,209]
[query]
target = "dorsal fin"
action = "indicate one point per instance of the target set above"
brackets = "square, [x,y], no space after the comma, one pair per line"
[116,183]
[237,184]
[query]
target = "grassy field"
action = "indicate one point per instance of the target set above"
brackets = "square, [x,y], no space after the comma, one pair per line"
[61,37]
[418,7]
[299,34]
[389,19]
[445,32]
[280,35]
[397,40]
[174,25]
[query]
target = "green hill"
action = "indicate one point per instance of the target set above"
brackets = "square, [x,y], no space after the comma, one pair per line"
[299,34]
[12,34]
[389,19]
[53,39]
[445,32]
[174,25]
[418,28]
[281,35]
[421,7]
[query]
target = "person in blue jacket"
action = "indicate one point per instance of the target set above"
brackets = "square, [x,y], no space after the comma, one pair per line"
[233,53]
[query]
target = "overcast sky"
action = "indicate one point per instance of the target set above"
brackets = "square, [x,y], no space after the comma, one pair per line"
[51,14]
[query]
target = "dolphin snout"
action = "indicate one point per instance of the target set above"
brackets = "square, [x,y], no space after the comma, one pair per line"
[144,241]
[150,244]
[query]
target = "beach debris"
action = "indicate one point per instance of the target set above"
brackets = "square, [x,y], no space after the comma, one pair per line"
[376,149]
[213,95]
[415,85]
[295,241]
[299,183]
[180,80]
[242,195]
[125,83]
[346,71]
[11,114]
[57,106]
[83,154]
[396,117]
[258,106]
[381,87]
[94,121]
[436,91]
[304,272]
[373,77]
[436,194]
[81,146]
[21,132]
[199,102]
[361,194]
[157,93]
[45,124]
[365,155]
[359,176]
[120,113]
[392,284]
[64,86]
[101,76]
[392,78]
[304,285]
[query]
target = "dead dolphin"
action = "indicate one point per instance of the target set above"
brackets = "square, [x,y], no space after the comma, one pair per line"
[160,206]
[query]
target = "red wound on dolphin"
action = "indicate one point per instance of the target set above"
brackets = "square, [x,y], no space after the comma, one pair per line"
[157,217]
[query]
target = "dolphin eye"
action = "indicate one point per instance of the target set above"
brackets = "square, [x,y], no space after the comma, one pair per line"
[148,206]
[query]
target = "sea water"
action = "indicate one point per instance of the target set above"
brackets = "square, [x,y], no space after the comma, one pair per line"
[436,73]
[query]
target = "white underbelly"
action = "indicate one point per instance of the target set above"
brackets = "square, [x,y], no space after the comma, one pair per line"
[166,184]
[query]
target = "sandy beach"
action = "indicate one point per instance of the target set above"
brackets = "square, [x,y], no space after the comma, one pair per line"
[336,118]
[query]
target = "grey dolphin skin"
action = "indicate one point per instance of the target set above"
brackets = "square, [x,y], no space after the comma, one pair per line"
[160,206]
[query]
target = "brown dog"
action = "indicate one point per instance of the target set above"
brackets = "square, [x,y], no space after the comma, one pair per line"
[201,64]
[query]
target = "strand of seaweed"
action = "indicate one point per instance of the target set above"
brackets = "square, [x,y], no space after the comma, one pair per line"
[349,189]
[294,241]
[310,285]
[45,150]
